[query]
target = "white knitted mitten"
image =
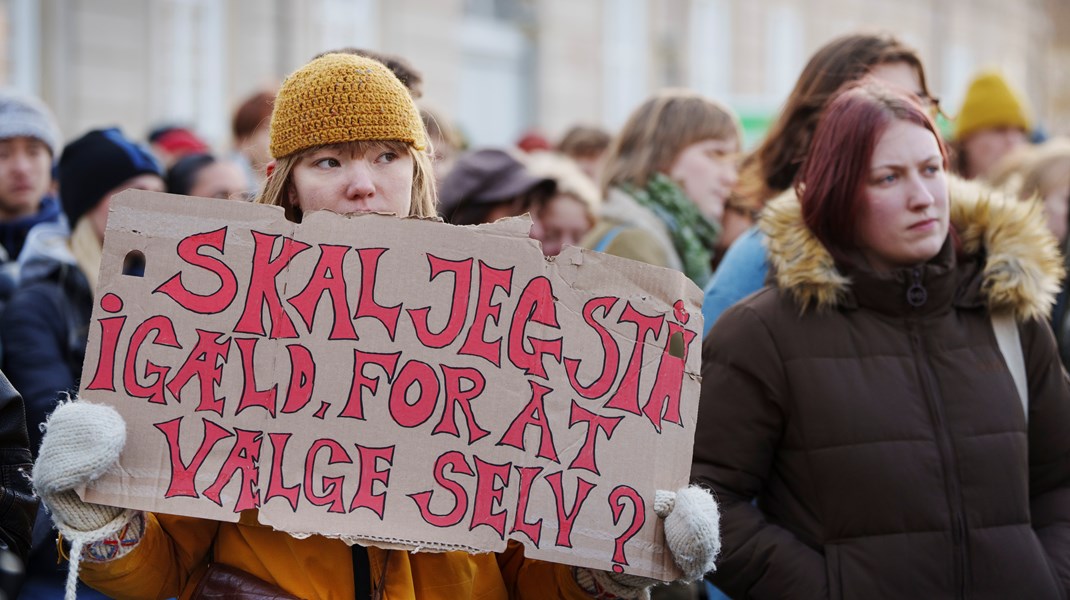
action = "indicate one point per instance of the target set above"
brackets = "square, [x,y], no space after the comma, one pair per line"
[82,441]
[692,533]
[692,528]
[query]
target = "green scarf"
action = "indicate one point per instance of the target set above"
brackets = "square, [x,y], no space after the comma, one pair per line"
[693,235]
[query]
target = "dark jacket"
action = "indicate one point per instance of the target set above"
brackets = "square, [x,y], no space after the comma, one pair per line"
[881,434]
[45,326]
[13,233]
[18,505]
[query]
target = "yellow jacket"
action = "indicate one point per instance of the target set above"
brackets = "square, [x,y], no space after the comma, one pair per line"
[174,552]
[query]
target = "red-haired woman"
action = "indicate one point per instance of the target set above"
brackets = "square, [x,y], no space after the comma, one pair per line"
[859,422]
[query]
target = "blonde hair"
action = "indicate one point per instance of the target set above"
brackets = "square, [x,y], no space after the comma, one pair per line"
[570,179]
[659,129]
[424,197]
[88,250]
[1046,166]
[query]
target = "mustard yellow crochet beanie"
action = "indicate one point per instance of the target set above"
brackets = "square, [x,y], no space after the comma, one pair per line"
[990,102]
[339,98]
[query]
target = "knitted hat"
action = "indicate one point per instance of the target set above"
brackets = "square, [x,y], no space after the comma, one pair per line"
[95,164]
[26,116]
[990,102]
[181,141]
[340,98]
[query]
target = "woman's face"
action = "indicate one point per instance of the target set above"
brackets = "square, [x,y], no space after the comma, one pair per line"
[984,149]
[562,221]
[98,215]
[348,178]
[222,179]
[707,171]
[904,214]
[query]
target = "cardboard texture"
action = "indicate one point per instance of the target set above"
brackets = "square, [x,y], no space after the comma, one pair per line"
[401,382]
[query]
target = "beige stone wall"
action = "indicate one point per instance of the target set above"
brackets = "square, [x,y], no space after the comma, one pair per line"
[569,62]
[113,61]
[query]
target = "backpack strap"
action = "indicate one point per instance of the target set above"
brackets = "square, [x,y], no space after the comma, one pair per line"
[1010,346]
[607,239]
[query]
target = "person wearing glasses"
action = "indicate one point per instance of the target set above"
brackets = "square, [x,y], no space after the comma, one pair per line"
[770,171]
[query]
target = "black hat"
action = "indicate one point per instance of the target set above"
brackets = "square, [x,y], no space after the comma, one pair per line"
[487,177]
[95,164]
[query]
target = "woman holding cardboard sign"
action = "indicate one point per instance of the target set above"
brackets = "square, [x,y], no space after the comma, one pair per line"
[327,157]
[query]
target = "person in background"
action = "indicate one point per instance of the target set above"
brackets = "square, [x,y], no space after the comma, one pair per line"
[992,123]
[446,140]
[205,176]
[170,143]
[490,184]
[565,217]
[587,146]
[250,127]
[29,144]
[858,420]
[320,165]
[1043,176]
[533,141]
[45,326]
[667,176]
[771,169]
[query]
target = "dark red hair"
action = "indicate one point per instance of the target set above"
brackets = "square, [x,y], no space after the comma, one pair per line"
[832,181]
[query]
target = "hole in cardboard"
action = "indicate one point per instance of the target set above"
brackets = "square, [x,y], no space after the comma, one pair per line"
[134,264]
[676,345]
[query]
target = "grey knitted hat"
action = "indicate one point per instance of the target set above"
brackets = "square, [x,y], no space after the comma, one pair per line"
[26,116]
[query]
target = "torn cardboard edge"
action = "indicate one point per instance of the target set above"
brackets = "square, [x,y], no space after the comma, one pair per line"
[157,224]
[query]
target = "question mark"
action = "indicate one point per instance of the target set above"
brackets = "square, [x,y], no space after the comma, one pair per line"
[616,504]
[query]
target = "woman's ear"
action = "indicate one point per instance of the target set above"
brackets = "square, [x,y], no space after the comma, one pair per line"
[292,205]
[269,169]
[291,196]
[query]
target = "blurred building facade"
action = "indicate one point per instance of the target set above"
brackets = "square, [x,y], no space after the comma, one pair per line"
[500,67]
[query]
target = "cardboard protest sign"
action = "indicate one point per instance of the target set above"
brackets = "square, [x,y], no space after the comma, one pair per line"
[401,382]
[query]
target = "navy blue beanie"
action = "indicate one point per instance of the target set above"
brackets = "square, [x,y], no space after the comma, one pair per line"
[96,163]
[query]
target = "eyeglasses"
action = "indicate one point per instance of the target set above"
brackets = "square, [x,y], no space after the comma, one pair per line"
[930,103]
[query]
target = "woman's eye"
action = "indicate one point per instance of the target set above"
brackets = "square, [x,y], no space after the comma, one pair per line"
[887,179]
[931,169]
[327,163]
[387,157]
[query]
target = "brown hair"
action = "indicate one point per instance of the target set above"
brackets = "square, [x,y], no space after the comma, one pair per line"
[584,141]
[659,129]
[772,168]
[402,68]
[441,128]
[276,190]
[833,177]
[253,113]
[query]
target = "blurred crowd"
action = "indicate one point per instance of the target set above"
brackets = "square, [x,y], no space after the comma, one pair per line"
[673,187]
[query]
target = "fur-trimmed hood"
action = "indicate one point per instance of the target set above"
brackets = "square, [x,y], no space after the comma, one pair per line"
[1022,272]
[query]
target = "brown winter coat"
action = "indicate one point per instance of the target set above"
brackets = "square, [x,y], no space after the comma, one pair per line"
[885,443]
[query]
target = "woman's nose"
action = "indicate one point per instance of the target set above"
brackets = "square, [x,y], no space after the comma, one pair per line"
[731,175]
[360,183]
[920,196]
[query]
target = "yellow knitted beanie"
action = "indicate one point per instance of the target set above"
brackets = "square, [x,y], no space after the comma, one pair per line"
[990,102]
[339,98]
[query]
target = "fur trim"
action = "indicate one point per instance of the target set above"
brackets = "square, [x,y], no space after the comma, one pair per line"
[1022,273]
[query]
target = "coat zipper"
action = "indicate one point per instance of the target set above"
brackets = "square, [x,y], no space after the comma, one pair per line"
[916,297]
